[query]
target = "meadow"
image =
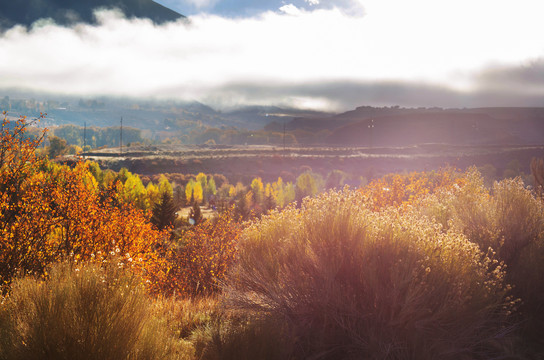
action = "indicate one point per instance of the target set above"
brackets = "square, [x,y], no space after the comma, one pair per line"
[437,264]
[241,163]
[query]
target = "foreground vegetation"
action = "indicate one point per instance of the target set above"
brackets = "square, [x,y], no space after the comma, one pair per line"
[419,266]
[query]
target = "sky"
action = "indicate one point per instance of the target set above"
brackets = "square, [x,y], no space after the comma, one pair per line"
[313,54]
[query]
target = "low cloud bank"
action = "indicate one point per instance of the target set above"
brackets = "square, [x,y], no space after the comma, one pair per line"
[411,54]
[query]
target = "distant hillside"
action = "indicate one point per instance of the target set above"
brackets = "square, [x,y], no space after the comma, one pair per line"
[67,12]
[369,126]
[158,119]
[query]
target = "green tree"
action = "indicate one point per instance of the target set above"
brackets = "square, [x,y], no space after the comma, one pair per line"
[211,188]
[308,184]
[57,147]
[189,191]
[241,209]
[95,170]
[153,194]
[123,174]
[277,190]
[257,188]
[269,198]
[202,180]
[164,212]
[198,193]
[235,191]
[179,196]
[335,179]
[134,191]
[194,192]
[289,193]
[164,185]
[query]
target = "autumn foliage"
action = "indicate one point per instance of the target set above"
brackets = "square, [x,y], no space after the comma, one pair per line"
[431,265]
[198,265]
[401,190]
[49,212]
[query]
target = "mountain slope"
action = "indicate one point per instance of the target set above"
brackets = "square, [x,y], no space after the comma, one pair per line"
[369,126]
[67,12]
[412,129]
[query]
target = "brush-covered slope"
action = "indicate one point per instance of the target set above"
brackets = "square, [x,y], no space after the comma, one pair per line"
[369,126]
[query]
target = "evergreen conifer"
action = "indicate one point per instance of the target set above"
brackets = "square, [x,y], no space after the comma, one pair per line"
[164,212]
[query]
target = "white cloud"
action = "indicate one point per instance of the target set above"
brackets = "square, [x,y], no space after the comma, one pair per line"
[290,9]
[312,2]
[421,41]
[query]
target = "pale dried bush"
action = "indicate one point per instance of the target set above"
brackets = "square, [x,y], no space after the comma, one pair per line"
[509,220]
[82,311]
[354,283]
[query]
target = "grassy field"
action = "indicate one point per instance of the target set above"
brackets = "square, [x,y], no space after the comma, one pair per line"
[241,162]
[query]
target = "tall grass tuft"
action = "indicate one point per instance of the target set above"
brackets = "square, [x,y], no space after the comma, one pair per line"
[242,336]
[83,312]
[354,283]
[509,220]
[183,316]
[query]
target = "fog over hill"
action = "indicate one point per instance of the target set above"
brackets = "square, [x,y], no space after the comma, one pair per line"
[363,126]
[68,12]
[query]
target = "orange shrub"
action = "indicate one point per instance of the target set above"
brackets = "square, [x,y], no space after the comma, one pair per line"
[22,219]
[49,212]
[401,190]
[199,264]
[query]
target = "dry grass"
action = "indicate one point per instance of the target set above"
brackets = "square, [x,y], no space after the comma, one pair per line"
[507,219]
[83,312]
[183,316]
[353,283]
[243,336]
